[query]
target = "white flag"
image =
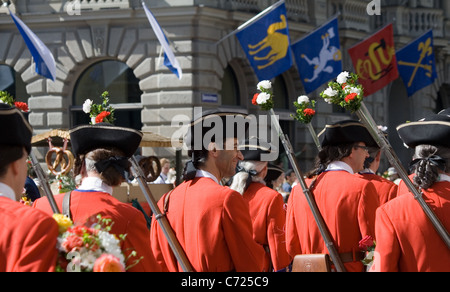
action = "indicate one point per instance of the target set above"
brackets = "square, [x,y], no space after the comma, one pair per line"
[45,62]
[169,57]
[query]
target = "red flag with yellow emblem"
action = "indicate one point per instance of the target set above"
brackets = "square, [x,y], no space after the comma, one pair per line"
[375,61]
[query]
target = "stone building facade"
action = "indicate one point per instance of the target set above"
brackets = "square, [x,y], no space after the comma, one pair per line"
[85,33]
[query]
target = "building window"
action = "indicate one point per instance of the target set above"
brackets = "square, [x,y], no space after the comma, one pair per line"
[124,92]
[11,82]
[230,88]
[280,92]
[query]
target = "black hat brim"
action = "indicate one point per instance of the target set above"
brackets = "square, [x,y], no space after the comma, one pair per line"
[90,137]
[346,132]
[15,129]
[434,130]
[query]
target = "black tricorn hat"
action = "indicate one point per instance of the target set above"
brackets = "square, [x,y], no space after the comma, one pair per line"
[15,129]
[273,172]
[433,130]
[213,125]
[346,132]
[254,149]
[90,137]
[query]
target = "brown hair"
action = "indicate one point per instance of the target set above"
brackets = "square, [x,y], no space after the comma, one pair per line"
[110,176]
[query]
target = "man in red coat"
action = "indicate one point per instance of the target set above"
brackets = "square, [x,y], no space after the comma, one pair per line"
[346,202]
[406,238]
[211,222]
[266,205]
[102,152]
[27,236]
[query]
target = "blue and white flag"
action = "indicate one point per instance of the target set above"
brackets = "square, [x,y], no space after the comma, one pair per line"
[265,40]
[416,63]
[319,56]
[169,57]
[45,62]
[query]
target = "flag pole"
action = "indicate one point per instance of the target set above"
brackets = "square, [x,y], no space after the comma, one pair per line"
[251,21]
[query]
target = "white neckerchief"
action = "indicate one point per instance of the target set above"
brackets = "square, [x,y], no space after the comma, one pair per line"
[95,184]
[7,192]
[443,177]
[204,173]
[339,165]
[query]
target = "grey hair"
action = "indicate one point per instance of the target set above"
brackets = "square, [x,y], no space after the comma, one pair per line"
[90,165]
[426,174]
[240,178]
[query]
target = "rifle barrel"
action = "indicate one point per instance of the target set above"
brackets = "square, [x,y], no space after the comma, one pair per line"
[309,197]
[365,116]
[161,218]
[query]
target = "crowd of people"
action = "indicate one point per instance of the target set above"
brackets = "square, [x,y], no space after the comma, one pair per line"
[244,225]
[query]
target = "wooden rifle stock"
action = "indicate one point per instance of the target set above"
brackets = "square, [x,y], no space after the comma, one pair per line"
[309,197]
[161,218]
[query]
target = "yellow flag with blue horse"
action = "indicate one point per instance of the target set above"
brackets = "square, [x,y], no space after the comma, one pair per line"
[266,43]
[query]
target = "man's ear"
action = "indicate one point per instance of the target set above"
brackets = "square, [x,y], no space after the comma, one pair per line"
[14,167]
[212,148]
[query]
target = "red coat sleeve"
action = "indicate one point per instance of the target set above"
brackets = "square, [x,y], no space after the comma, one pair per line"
[387,251]
[292,239]
[247,255]
[276,235]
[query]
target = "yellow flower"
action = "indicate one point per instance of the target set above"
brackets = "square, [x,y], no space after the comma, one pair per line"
[64,223]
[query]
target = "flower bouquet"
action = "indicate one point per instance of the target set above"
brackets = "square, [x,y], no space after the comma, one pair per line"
[99,113]
[265,98]
[94,249]
[6,98]
[305,109]
[305,113]
[345,92]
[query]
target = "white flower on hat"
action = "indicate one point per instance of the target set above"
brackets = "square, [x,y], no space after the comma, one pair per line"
[266,84]
[263,98]
[303,99]
[87,106]
[342,78]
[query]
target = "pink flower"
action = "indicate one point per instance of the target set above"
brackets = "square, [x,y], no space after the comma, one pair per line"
[107,263]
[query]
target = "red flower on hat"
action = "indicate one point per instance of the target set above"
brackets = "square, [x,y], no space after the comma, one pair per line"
[101,116]
[22,106]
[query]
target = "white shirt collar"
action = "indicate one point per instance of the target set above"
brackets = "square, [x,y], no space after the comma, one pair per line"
[203,173]
[7,192]
[339,165]
[95,184]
